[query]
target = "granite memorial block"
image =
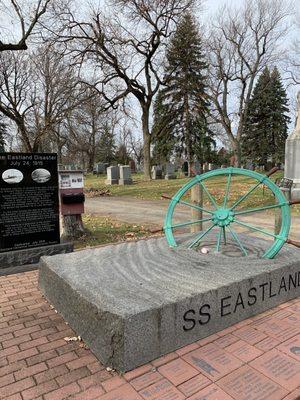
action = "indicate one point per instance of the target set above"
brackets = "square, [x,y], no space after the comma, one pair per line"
[112,175]
[134,302]
[125,175]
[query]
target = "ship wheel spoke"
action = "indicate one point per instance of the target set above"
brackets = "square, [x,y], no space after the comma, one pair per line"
[194,206]
[245,195]
[182,224]
[255,228]
[227,189]
[224,235]
[235,237]
[219,239]
[211,198]
[199,237]
[253,210]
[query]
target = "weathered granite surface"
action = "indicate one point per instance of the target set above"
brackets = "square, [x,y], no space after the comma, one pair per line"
[134,302]
[32,255]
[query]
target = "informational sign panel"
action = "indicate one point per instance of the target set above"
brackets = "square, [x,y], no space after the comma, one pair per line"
[29,205]
[71,180]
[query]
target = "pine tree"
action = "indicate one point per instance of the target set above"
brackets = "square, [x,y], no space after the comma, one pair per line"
[107,147]
[266,124]
[184,107]
[163,139]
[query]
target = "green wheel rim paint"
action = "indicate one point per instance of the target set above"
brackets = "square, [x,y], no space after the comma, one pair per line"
[223,217]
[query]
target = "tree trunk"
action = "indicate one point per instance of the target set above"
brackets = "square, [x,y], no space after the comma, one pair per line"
[72,227]
[91,161]
[24,137]
[237,153]
[147,143]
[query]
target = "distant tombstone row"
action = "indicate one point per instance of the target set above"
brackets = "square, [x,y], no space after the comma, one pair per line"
[68,167]
[100,168]
[119,175]
[166,172]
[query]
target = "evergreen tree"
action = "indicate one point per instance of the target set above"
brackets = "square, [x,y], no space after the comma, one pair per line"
[122,157]
[266,124]
[163,139]
[182,108]
[107,147]
[280,119]
[3,133]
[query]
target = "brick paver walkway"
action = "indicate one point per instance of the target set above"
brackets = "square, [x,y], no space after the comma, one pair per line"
[257,359]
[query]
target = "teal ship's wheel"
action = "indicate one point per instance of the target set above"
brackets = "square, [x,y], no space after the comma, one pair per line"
[225,217]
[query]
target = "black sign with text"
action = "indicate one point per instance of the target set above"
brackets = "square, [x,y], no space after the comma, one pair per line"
[29,206]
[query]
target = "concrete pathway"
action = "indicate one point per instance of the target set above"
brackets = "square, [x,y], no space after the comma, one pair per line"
[136,211]
[256,359]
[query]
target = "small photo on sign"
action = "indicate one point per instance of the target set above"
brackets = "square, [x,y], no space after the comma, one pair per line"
[12,176]
[41,175]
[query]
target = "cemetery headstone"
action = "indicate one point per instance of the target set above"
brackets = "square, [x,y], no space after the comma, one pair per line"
[100,168]
[112,175]
[185,168]
[196,168]
[292,156]
[125,175]
[132,166]
[29,207]
[250,166]
[170,171]
[156,172]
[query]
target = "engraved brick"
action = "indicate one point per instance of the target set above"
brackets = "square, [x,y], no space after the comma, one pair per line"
[244,351]
[145,380]
[162,390]
[248,384]
[212,361]
[178,371]
[194,385]
[280,368]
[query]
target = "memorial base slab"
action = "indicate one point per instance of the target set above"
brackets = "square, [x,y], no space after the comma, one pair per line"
[19,258]
[134,302]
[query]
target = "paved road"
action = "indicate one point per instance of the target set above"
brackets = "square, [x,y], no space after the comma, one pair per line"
[136,211]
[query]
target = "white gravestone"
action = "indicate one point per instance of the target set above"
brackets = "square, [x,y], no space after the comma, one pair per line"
[112,176]
[292,156]
[156,172]
[125,175]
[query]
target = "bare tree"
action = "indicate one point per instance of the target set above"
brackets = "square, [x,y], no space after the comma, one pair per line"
[57,93]
[85,125]
[239,46]
[126,50]
[25,20]
[135,146]
[293,67]
[17,96]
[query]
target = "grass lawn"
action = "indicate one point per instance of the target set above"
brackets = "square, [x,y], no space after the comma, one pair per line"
[103,230]
[142,189]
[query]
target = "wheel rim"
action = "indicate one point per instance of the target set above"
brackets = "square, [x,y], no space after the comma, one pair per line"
[223,217]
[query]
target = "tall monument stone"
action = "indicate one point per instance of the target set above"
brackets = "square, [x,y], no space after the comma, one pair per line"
[292,155]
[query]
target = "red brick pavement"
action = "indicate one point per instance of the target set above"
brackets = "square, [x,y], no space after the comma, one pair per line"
[257,359]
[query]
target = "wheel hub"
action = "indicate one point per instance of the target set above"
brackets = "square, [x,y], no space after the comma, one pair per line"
[223,217]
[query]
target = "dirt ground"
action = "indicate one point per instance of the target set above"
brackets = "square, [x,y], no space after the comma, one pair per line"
[152,212]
